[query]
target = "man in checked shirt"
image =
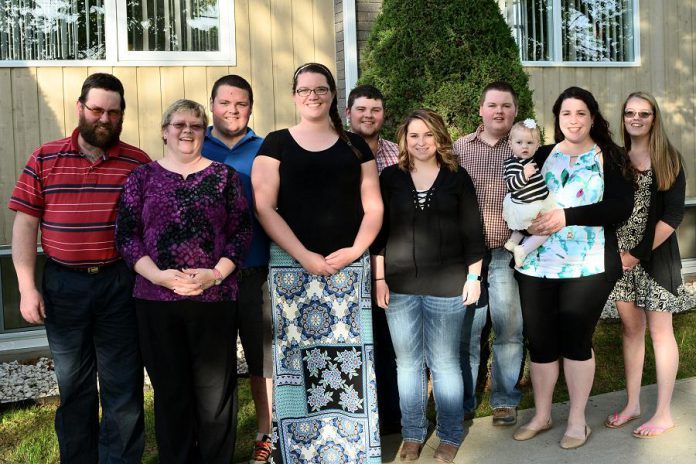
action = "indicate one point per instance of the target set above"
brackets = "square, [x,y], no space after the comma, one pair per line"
[365,115]
[482,154]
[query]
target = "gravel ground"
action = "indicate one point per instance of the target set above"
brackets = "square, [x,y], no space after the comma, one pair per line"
[37,379]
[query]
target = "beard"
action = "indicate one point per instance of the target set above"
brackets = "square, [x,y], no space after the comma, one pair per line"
[99,134]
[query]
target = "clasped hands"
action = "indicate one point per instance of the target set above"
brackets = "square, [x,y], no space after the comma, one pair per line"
[186,282]
[316,264]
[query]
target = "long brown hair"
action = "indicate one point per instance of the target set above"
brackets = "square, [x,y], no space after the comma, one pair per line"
[336,121]
[666,160]
[443,142]
[599,131]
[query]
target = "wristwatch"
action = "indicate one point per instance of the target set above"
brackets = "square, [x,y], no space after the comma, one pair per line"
[218,276]
[473,277]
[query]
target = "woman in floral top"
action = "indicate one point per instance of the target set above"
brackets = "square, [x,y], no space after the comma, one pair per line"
[565,282]
[184,226]
[651,288]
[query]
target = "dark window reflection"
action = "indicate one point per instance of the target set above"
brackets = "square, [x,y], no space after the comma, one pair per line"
[12,319]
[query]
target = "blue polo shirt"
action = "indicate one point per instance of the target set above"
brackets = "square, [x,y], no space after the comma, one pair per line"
[241,157]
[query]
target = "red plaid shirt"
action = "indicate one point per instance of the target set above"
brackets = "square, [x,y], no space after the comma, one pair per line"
[484,163]
[387,154]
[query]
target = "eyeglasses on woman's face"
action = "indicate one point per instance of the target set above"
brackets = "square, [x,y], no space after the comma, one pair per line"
[182,125]
[319,91]
[629,114]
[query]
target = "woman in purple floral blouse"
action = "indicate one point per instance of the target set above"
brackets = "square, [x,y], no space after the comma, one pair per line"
[184,226]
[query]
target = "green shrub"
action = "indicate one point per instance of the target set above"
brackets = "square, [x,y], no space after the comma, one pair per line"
[439,54]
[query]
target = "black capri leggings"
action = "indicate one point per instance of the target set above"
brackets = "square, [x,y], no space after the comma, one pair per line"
[560,315]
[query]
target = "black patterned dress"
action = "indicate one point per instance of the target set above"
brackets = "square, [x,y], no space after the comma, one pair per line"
[636,285]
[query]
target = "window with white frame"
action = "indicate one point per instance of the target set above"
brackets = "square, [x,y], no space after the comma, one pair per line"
[577,32]
[45,32]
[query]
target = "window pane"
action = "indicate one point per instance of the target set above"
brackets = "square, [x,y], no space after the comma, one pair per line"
[12,318]
[534,27]
[597,30]
[173,25]
[52,30]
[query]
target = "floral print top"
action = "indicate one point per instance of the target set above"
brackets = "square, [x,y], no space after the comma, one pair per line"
[573,251]
[183,223]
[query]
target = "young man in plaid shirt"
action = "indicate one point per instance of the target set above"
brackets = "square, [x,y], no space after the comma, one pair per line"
[482,154]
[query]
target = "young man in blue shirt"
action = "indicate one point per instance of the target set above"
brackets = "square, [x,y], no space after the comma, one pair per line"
[229,140]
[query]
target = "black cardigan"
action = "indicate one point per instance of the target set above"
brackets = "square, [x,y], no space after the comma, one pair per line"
[616,206]
[664,262]
[428,251]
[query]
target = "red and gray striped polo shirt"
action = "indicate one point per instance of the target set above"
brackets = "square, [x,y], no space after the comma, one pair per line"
[75,199]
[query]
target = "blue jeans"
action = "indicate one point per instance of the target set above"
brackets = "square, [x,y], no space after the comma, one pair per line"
[426,330]
[91,327]
[501,297]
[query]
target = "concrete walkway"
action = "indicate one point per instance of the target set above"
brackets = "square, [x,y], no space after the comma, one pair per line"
[486,444]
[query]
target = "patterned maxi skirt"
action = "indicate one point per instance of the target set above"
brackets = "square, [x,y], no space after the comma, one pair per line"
[324,387]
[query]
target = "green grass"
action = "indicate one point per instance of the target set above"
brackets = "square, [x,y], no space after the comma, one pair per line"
[27,437]
[609,374]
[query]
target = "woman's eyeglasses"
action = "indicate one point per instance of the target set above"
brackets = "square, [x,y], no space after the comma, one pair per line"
[304,92]
[641,114]
[182,125]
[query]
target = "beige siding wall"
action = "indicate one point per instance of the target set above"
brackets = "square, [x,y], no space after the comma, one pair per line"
[667,43]
[667,33]
[273,37]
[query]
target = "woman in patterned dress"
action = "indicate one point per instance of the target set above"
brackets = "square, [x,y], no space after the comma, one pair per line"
[651,289]
[564,284]
[317,196]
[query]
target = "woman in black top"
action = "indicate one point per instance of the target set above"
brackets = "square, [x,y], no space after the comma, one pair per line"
[427,265]
[651,289]
[317,196]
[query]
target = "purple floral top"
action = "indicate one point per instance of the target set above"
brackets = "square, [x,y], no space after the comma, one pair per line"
[183,223]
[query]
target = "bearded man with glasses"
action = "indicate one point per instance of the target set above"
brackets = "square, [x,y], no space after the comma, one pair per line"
[70,188]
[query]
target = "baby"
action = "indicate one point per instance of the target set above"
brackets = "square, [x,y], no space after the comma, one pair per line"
[528,195]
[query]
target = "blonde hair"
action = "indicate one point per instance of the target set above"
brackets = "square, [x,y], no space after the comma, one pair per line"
[189,106]
[666,160]
[521,126]
[443,142]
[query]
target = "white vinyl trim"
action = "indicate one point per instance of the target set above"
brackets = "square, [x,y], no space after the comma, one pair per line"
[350,45]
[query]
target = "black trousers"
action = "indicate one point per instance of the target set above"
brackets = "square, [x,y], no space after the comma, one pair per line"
[385,374]
[190,353]
[91,328]
[560,315]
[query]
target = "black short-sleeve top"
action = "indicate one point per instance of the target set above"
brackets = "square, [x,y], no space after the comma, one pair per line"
[319,194]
